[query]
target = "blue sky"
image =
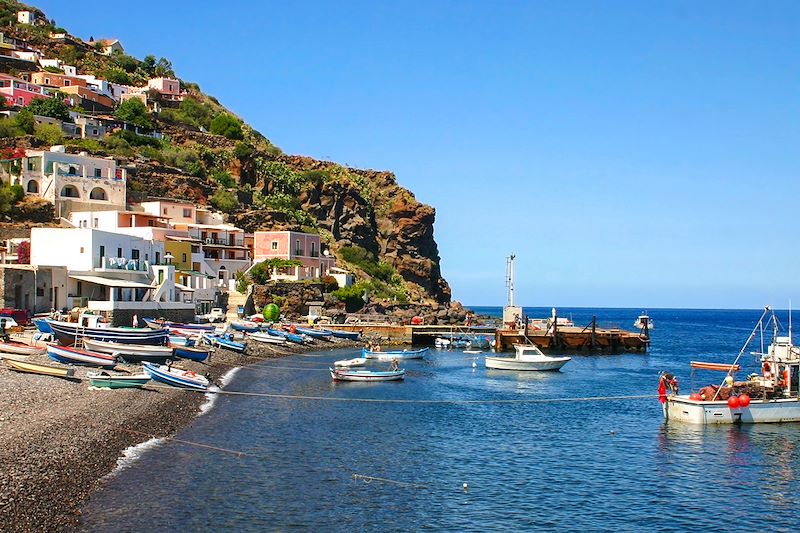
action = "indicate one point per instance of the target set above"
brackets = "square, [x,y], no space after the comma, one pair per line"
[640,154]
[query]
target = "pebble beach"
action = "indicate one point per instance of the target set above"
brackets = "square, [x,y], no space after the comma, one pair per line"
[59,438]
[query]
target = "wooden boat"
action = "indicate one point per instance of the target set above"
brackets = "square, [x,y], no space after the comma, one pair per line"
[344,374]
[176,377]
[42,325]
[349,335]
[224,342]
[527,357]
[105,380]
[141,351]
[31,368]
[19,348]
[347,363]
[768,395]
[393,354]
[313,333]
[291,337]
[68,332]
[247,327]
[157,324]
[181,340]
[74,356]
[267,338]
[195,354]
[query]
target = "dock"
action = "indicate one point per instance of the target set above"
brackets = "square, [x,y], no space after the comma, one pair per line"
[574,339]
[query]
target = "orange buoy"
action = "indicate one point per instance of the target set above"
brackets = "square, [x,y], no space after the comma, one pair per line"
[744,400]
[733,402]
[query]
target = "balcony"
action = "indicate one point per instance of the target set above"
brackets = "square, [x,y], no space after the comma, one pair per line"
[223,242]
[122,263]
[299,251]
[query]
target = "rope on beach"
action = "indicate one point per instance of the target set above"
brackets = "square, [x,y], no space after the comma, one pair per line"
[190,443]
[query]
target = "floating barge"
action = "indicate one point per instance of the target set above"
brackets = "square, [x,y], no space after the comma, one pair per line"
[574,339]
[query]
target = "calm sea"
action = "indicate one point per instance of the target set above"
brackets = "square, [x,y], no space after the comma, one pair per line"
[569,466]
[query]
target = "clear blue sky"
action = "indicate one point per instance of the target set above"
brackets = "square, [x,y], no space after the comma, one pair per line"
[639,154]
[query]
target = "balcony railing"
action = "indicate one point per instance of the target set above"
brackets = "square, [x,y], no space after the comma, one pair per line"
[122,263]
[299,251]
[314,253]
[223,242]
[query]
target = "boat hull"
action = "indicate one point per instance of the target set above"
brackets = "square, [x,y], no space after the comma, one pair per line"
[347,363]
[118,382]
[67,332]
[342,374]
[682,409]
[266,338]
[176,378]
[19,348]
[225,343]
[30,368]
[195,354]
[388,356]
[349,335]
[512,363]
[73,356]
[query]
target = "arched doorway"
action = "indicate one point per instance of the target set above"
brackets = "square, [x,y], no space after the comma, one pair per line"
[33,187]
[70,191]
[98,193]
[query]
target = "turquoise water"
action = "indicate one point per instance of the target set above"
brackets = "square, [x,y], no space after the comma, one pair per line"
[596,465]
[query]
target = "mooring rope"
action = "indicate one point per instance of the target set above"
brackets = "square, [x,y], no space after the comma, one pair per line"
[370,479]
[190,443]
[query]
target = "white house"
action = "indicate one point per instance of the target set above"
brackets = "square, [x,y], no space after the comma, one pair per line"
[26,17]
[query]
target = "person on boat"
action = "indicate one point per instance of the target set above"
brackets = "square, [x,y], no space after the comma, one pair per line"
[135,322]
[368,345]
[394,366]
[377,348]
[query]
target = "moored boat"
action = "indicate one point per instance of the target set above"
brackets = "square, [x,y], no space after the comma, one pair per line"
[347,363]
[157,324]
[19,348]
[246,326]
[526,357]
[75,356]
[130,352]
[348,335]
[291,337]
[193,353]
[176,377]
[105,380]
[393,354]
[45,370]
[313,333]
[68,332]
[224,342]
[267,338]
[643,322]
[345,374]
[181,340]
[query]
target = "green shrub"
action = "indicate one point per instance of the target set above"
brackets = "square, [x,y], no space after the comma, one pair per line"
[49,134]
[50,107]
[242,150]
[242,282]
[17,193]
[351,296]
[9,128]
[227,126]
[225,201]
[223,179]
[358,256]
[25,121]
[134,112]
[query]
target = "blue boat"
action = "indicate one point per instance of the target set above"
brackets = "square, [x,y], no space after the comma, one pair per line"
[185,379]
[247,327]
[156,324]
[42,325]
[349,335]
[393,354]
[180,340]
[291,337]
[313,333]
[224,342]
[195,354]
[68,332]
[74,356]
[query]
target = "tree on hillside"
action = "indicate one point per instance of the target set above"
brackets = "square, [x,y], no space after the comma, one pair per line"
[134,112]
[24,121]
[224,200]
[50,107]
[226,125]
[163,68]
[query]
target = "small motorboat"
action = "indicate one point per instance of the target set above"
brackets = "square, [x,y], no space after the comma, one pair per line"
[224,341]
[347,363]
[441,342]
[246,326]
[267,338]
[643,322]
[348,335]
[158,324]
[344,374]
[176,377]
[195,354]
[74,356]
[104,380]
[181,340]
[394,354]
[291,337]
[130,352]
[527,357]
[45,370]
[313,333]
[19,348]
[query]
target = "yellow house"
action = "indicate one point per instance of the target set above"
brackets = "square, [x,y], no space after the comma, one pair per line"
[181,252]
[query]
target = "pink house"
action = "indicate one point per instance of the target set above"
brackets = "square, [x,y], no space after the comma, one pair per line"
[303,247]
[19,92]
[169,88]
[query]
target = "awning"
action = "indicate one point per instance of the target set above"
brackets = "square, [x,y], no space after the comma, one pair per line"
[194,273]
[184,288]
[113,282]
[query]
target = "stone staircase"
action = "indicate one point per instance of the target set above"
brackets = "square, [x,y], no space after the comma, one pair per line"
[235,299]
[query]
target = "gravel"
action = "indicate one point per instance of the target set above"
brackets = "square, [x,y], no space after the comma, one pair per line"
[58,438]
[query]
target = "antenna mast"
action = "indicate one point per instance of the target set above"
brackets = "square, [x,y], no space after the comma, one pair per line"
[510,279]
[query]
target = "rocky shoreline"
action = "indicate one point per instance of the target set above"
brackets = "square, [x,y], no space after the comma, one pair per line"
[58,438]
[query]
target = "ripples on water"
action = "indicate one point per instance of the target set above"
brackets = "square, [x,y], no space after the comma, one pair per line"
[570,466]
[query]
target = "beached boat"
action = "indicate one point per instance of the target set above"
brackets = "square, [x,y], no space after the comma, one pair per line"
[768,395]
[643,322]
[394,354]
[347,363]
[349,335]
[74,356]
[19,348]
[313,333]
[247,327]
[130,352]
[527,357]
[267,338]
[223,341]
[42,325]
[45,370]
[345,374]
[158,324]
[68,332]
[105,380]
[195,354]
[182,340]
[176,377]
[291,337]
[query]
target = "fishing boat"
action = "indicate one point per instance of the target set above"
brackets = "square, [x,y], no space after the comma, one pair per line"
[266,338]
[347,363]
[345,374]
[247,327]
[313,333]
[158,324]
[42,325]
[769,394]
[19,348]
[643,322]
[133,353]
[526,357]
[104,380]
[181,340]
[393,354]
[348,335]
[291,337]
[441,342]
[45,370]
[74,356]
[68,332]
[195,354]
[224,341]
[176,377]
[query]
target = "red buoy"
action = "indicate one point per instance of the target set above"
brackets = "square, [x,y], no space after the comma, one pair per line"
[744,400]
[694,396]
[733,402]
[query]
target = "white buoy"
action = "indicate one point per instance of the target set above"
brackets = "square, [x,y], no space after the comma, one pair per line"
[466,487]
[474,364]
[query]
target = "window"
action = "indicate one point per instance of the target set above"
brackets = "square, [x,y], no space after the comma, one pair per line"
[165,210]
[96,222]
[158,258]
[69,191]
[94,131]
[150,223]
[187,212]
[47,81]
[119,252]
[81,249]
[134,253]
[67,83]
[98,193]
[274,245]
[98,173]
[102,251]
[183,257]
[33,186]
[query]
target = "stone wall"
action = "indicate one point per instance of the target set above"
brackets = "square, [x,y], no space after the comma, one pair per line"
[25,287]
[124,317]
